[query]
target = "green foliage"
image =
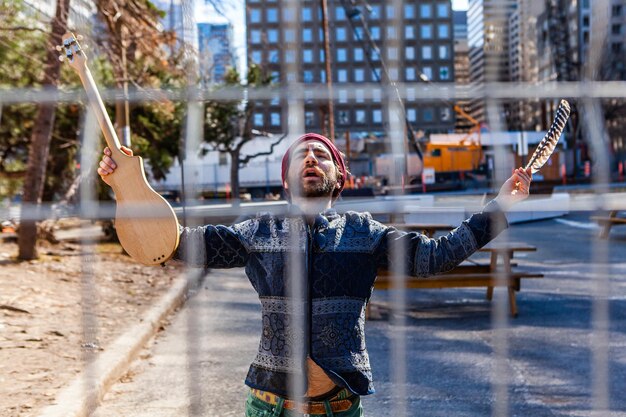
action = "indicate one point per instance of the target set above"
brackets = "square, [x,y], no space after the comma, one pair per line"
[227,123]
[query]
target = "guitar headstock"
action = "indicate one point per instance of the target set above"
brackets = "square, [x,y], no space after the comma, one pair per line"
[74,54]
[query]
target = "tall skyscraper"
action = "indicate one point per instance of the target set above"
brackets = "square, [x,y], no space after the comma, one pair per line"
[488,38]
[421,42]
[461,65]
[216,53]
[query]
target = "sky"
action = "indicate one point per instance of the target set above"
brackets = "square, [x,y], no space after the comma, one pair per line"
[234,13]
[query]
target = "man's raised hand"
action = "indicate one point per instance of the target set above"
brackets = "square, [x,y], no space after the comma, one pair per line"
[515,189]
[107,165]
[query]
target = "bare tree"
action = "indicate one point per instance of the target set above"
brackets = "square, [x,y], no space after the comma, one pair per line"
[40,139]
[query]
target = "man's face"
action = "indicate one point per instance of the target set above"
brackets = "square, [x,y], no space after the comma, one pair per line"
[312,171]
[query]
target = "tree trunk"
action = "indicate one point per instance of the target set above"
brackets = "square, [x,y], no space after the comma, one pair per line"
[234,173]
[40,140]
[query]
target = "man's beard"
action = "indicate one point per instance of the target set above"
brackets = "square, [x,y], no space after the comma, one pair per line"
[323,188]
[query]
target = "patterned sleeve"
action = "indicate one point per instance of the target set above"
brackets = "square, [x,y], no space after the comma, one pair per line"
[211,247]
[422,256]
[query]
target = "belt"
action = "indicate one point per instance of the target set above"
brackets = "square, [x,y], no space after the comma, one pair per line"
[342,401]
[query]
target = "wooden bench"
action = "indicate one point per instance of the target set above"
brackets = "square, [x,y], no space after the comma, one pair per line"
[607,222]
[491,275]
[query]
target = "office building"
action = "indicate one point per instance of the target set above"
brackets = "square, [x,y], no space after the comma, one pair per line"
[420,42]
[488,39]
[216,52]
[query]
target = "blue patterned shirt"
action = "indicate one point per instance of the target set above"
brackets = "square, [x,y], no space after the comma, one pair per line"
[340,254]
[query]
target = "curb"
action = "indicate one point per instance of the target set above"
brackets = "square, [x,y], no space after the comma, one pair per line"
[83,395]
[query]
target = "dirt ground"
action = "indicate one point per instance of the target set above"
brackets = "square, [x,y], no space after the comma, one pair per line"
[44,303]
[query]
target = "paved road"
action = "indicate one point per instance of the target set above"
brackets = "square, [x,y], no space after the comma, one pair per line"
[198,364]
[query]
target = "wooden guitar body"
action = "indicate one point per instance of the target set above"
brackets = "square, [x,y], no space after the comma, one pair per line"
[144,221]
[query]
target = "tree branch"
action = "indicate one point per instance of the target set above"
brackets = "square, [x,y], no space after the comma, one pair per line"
[244,160]
[26,28]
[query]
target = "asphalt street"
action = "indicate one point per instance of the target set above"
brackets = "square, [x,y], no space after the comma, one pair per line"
[459,358]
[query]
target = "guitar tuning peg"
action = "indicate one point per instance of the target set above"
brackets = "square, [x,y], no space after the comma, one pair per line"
[61,58]
[58,48]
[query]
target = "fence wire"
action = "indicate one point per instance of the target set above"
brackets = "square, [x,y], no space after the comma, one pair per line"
[399,389]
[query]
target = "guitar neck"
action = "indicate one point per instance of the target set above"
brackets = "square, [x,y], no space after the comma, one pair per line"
[97,106]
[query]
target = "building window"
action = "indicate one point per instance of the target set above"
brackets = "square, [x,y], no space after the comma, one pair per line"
[342,55]
[290,57]
[358,34]
[255,36]
[322,56]
[426,11]
[445,114]
[290,35]
[275,101]
[443,31]
[291,77]
[258,119]
[307,35]
[391,11]
[358,54]
[342,76]
[275,119]
[344,117]
[272,35]
[375,12]
[444,73]
[376,95]
[409,32]
[307,76]
[309,118]
[442,10]
[409,52]
[359,95]
[616,29]
[257,57]
[444,51]
[411,114]
[375,32]
[307,55]
[359,116]
[343,96]
[426,31]
[377,116]
[409,11]
[288,15]
[428,114]
[428,72]
[359,75]
[375,56]
[409,73]
[274,56]
[272,15]
[391,32]
[376,74]
[340,13]
[393,74]
[323,76]
[427,52]
[307,14]
[255,16]
[392,53]
[275,76]
[340,34]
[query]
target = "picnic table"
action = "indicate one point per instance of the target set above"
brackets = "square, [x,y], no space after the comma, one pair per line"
[607,222]
[499,272]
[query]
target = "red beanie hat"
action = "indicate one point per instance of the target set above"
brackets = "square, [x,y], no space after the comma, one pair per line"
[337,157]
